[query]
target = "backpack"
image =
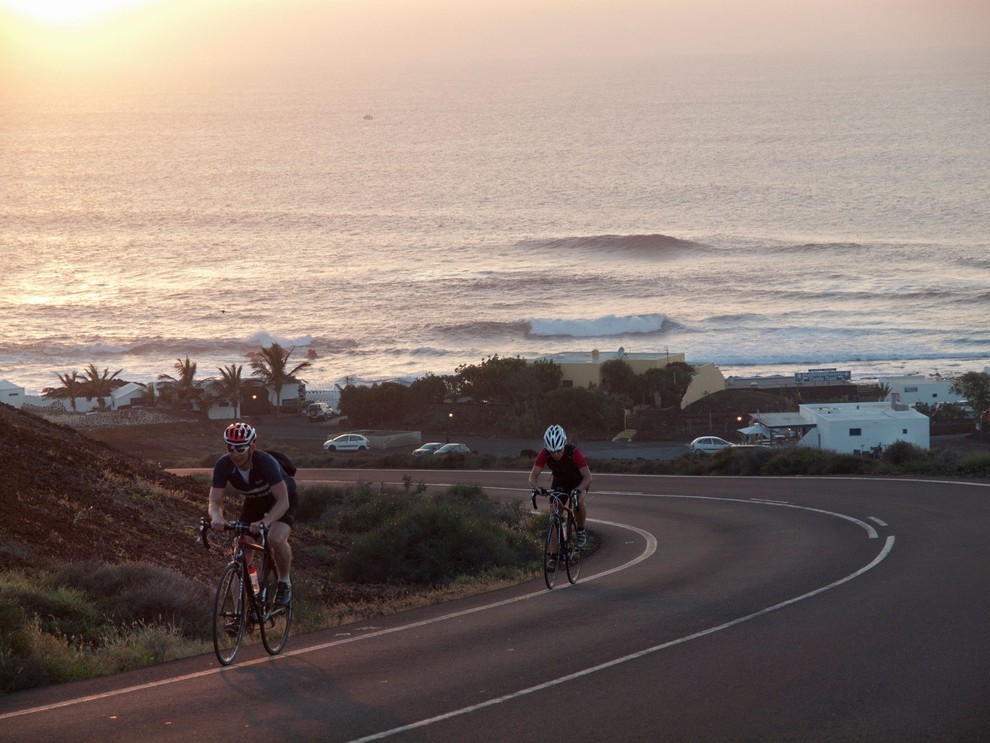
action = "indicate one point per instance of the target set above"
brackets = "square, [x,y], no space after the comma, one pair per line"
[284,462]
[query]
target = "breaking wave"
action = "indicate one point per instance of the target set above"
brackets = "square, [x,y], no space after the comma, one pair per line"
[598,327]
[611,243]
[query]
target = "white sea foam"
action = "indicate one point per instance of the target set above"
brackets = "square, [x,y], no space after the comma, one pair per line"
[598,327]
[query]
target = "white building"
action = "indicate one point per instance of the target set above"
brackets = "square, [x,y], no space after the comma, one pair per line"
[330,395]
[857,428]
[11,394]
[127,395]
[913,389]
[583,369]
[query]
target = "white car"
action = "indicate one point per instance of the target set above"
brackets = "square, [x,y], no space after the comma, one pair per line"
[347,442]
[709,445]
[452,449]
[427,448]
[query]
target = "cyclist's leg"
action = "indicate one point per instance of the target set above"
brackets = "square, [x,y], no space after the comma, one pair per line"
[278,538]
[581,513]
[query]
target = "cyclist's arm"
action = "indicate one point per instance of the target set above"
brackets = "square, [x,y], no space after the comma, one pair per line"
[534,476]
[216,508]
[585,478]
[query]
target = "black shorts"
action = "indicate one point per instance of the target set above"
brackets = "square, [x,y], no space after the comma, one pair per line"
[254,509]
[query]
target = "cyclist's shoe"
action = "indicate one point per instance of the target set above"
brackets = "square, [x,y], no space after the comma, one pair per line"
[232,628]
[283,597]
[582,538]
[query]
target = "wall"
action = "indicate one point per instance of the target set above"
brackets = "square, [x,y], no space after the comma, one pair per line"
[910,390]
[879,425]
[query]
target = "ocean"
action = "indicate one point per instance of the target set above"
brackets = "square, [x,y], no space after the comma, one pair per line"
[767,215]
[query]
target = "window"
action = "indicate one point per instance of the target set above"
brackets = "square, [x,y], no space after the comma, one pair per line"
[855,431]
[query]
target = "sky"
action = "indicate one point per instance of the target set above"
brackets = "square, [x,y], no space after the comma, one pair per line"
[111,37]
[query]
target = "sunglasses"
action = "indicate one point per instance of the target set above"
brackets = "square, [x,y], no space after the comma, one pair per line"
[239,449]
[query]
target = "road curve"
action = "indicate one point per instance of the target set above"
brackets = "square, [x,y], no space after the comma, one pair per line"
[714,608]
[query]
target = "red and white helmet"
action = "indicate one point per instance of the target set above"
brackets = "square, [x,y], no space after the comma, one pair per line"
[239,434]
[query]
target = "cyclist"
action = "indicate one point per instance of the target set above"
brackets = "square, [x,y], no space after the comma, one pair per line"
[270,496]
[569,470]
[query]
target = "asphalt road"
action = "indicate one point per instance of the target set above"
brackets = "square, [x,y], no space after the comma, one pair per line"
[714,609]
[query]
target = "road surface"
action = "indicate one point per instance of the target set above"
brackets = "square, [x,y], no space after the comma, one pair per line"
[714,609]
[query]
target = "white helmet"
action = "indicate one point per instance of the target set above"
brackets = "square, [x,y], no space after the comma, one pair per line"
[555,438]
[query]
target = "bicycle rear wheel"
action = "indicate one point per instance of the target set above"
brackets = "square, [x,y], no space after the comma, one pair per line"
[573,553]
[276,620]
[551,552]
[228,614]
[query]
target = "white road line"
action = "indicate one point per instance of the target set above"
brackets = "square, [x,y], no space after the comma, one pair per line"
[889,544]
[877,521]
[648,551]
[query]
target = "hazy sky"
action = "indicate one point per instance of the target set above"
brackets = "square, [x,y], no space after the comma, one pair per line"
[100,36]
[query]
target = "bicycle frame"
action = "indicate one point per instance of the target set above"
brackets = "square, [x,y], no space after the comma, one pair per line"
[237,606]
[558,546]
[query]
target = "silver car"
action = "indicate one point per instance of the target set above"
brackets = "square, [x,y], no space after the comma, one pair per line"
[709,445]
[347,442]
[427,448]
[452,449]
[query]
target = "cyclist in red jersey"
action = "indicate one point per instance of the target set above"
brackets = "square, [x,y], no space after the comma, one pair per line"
[569,470]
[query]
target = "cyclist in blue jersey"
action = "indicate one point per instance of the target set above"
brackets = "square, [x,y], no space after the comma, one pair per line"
[570,473]
[270,496]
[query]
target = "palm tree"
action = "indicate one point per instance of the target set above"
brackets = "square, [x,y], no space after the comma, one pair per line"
[150,396]
[72,387]
[882,390]
[271,369]
[180,389]
[98,384]
[230,386]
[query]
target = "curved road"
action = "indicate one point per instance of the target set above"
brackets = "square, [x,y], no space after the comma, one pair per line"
[714,609]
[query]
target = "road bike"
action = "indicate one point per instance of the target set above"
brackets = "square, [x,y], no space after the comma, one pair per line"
[241,605]
[560,538]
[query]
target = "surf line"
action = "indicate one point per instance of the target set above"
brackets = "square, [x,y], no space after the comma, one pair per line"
[888,546]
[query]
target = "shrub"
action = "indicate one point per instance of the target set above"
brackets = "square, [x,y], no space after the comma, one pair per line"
[417,539]
[140,593]
[901,452]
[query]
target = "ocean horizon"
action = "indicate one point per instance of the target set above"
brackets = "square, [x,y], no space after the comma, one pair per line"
[767,217]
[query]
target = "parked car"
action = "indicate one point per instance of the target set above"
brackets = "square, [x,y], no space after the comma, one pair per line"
[347,442]
[452,449]
[319,411]
[427,448]
[709,445]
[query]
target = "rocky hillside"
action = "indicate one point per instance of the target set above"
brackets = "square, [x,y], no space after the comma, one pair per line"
[69,498]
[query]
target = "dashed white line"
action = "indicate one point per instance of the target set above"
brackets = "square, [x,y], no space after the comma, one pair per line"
[888,545]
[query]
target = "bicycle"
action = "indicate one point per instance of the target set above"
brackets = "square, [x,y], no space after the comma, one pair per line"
[239,604]
[558,546]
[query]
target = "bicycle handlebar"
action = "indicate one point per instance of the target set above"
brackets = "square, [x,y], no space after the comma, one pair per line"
[241,527]
[561,494]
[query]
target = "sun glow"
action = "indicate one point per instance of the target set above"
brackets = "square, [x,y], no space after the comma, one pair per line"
[63,12]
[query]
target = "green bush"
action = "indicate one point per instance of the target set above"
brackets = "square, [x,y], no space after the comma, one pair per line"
[389,536]
[976,466]
[91,619]
[132,593]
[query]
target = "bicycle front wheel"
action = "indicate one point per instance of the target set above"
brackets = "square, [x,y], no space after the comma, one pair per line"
[228,614]
[551,552]
[277,619]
